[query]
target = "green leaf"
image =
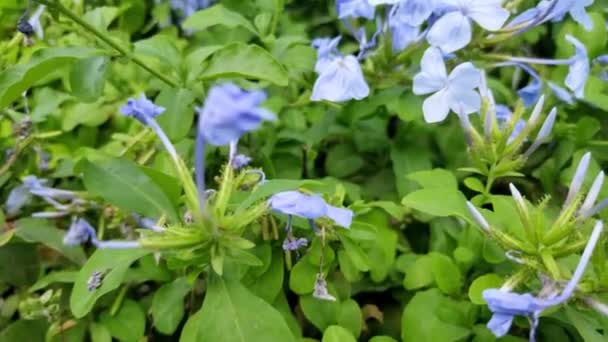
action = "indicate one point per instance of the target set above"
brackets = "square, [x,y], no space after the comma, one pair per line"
[245,61]
[486,281]
[436,178]
[20,264]
[37,230]
[128,324]
[350,317]
[438,202]
[420,322]
[358,257]
[122,183]
[88,77]
[446,273]
[177,119]
[54,277]
[231,313]
[585,325]
[114,263]
[99,333]
[302,276]
[382,339]
[268,285]
[217,15]
[168,305]
[419,274]
[343,161]
[24,330]
[336,333]
[161,47]
[321,313]
[405,161]
[17,79]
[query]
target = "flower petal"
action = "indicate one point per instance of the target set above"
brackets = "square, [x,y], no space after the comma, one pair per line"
[451,32]
[464,101]
[489,14]
[436,107]
[433,75]
[465,76]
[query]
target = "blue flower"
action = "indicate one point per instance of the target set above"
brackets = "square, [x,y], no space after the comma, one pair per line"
[229,112]
[561,93]
[327,50]
[240,161]
[35,21]
[412,12]
[455,92]
[293,244]
[141,109]
[81,232]
[355,9]
[340,79]
[311,207]
[453,30]
[503,117]
[188,7]
[579,68]
[576,9]
[530,93]
[506,305]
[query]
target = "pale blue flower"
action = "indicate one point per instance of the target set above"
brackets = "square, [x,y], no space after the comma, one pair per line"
[240,161]
[579,68]
[188,7]
[355,9]
[229,112]
[576,9]
[340,80]
[141,109]
[35,21]
[311,207]
[506,305]
[455,92]
[592,195]
[327,50]
[603,59]
[543,133]
[578,179]
[81,232]
[561,93]
[453,30]
[293,244]
[413,12]
[531,92]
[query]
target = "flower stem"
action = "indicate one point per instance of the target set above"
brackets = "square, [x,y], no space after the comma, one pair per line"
[106,39]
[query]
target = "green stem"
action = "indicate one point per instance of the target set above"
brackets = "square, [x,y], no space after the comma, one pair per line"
[106,39]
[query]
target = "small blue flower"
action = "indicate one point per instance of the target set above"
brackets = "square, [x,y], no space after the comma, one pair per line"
[141,109]
[453,30]
[35,21]
[340,80]
[579,68]
[531,92]
[188,7]
[576,9]
[355,9]
[229,112]
[295,203]
[240,161]
[455,92]
[293,244]
[506,305]
[81,232]
[413,12]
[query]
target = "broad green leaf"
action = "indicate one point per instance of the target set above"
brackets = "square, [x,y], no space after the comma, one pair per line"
[20,264]
[382,339]
[217,15]
[245,61]
[114,263]
[407,160]
[486,281]
[54,277]
[268,285]
[350,317]
[128,324]
[343,161]
[438,202]
[99,333]
[6,236]
[419,274]
[321,313]
[168,305]
[161,47]
[585,325]
[88,77]
[356,254]
[177,119]
[420,322]
[37,230]
[86,114]
[436,178]
[17,79]
[101,17]
[336,333]
[122,183]
[24,330]
[231,313]
[446,273]
[302,276]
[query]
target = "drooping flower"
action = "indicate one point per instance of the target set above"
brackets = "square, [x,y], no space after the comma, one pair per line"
[293,244]
[579,68]
[453,30]
[311,207]
[355,9]
[81,232]
[320,289]
[229,112]
[506,305]
[141,109]
[455,92]
[340,80]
